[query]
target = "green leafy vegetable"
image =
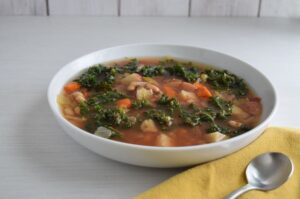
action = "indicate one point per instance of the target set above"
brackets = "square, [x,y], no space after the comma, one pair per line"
[150,71]
[89,79]
[161,117]
[114,117]
[224,130]
[84,108]
[106,97]
[98,77]
[197,116]
[216,128]
[223,80]
[171,103]
[224,107]
[131,66]
[183,71]
[138,104]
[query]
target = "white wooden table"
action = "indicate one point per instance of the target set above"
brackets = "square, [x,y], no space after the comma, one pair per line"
[37,160]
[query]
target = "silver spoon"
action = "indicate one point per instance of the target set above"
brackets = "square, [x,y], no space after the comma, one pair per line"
[266,172]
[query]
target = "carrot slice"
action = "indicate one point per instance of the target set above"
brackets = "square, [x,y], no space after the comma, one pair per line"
[124,103]
[71,87]
[169,91]
[202,91]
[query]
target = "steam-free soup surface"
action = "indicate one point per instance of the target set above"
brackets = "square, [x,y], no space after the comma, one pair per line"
[160,102]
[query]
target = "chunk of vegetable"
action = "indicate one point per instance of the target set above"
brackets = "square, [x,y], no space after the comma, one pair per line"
[131,66]
[224,107]
[235,124]
[238,112]
[148,126]
[188,87]
[189,97]
[134,77]
[106,133]
[143,93]
[151,81]
[181,70]
[203,77]
[113,117]
[223,80]
[169,91]
[202,91]
[150,71]
[63,100]
[78,96]
[106,97]
[71,87]
[69,111]
[160,116]
[134,85]
[77,110]
[137,104]
[251,107]
[164,140]
[124,103]
[171,103]
[216,136]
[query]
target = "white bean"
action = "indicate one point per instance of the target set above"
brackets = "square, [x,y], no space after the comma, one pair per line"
[235,124]
[77,110]
[78,96]
[68,111]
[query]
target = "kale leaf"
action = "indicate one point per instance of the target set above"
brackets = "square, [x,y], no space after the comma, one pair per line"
[130,67]
[98,77]
[223,80]
[171,103]
[160,117]
[224,108]
[150,71]
[197,116]
[229,132]
[138,104]
[105,97]
[113,117]
[89,79]
[181,70]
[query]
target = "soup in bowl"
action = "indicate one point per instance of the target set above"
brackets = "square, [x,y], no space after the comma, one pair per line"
[160,102]
[161,105]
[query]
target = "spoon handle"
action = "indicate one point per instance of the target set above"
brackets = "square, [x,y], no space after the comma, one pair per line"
[239,191]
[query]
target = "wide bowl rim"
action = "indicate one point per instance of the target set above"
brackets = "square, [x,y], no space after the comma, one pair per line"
[52,101]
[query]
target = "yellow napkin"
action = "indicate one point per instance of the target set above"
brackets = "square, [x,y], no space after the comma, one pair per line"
[218,178]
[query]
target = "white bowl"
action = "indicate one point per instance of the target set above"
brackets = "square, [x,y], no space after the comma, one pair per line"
[164,156]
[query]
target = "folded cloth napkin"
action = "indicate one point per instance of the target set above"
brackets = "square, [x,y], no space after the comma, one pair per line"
[218,178]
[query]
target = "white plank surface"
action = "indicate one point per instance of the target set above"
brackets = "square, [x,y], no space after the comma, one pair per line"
[83,7]
[23,7]
[224,7]
[39,161]
[154,7]
[280,8]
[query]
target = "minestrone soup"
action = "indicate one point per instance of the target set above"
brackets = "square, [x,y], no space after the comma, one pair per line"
[160,102]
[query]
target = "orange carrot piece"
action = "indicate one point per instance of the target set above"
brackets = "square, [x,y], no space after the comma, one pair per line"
[124,103]
[169,91]
[71,87]
[202,91]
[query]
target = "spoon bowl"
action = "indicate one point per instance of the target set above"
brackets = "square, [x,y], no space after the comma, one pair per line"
[266,172]
[269,170]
